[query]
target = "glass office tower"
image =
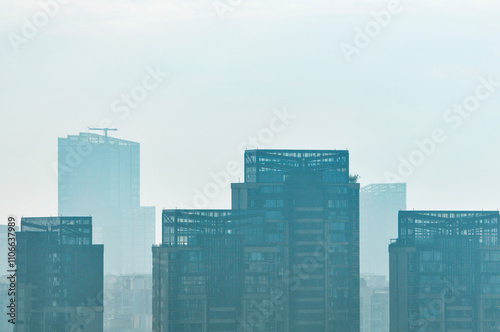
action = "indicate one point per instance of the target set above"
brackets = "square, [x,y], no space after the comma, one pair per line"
[379,207]
[99,176]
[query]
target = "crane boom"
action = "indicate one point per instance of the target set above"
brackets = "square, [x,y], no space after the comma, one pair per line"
[104,129]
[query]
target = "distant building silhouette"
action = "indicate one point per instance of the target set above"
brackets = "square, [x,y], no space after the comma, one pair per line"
[379,206]
[374,296]
[5,325]
[59,276]
[100,176]
[128,303]
[295,267]
[445,272]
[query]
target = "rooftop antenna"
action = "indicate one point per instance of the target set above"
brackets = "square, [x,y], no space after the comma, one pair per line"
[105,131]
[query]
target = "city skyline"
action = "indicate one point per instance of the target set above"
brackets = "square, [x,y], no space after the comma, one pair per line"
[246,165]
[222,191]
[47,204]
[213,82]
[299,189]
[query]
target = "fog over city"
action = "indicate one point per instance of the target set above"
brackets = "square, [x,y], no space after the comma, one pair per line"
[225,78]
[395,101]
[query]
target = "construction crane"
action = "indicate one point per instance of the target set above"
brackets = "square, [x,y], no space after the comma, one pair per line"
[105,130]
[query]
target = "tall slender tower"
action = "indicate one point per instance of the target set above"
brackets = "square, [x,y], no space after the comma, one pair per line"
[379,207]
[311,213]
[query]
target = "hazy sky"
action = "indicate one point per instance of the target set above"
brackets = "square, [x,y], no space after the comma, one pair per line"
[225,78]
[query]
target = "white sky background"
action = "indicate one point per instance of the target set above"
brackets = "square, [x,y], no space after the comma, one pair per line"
[226,77]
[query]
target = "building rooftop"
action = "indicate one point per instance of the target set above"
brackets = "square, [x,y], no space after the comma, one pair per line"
[426,226]
[67,230]
[95,138]
[183,227]
[268,166]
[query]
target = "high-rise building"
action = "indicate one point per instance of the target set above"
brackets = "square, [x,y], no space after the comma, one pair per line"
[445,272]
[310,231]
[100,176]
[379,207]
[309,205]
[212,273]
[59,283]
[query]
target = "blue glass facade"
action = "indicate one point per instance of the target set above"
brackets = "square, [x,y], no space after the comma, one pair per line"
[100,176]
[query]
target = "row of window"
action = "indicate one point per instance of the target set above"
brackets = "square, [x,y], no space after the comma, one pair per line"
[258,256]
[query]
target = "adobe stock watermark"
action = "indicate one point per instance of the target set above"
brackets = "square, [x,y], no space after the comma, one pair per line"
[86,313]
[223,6]
[122,106]
[74,156]
[435,308]
[138,94]
[363,37]
[221,179]
[39,20]
[454,117]
[265,309]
